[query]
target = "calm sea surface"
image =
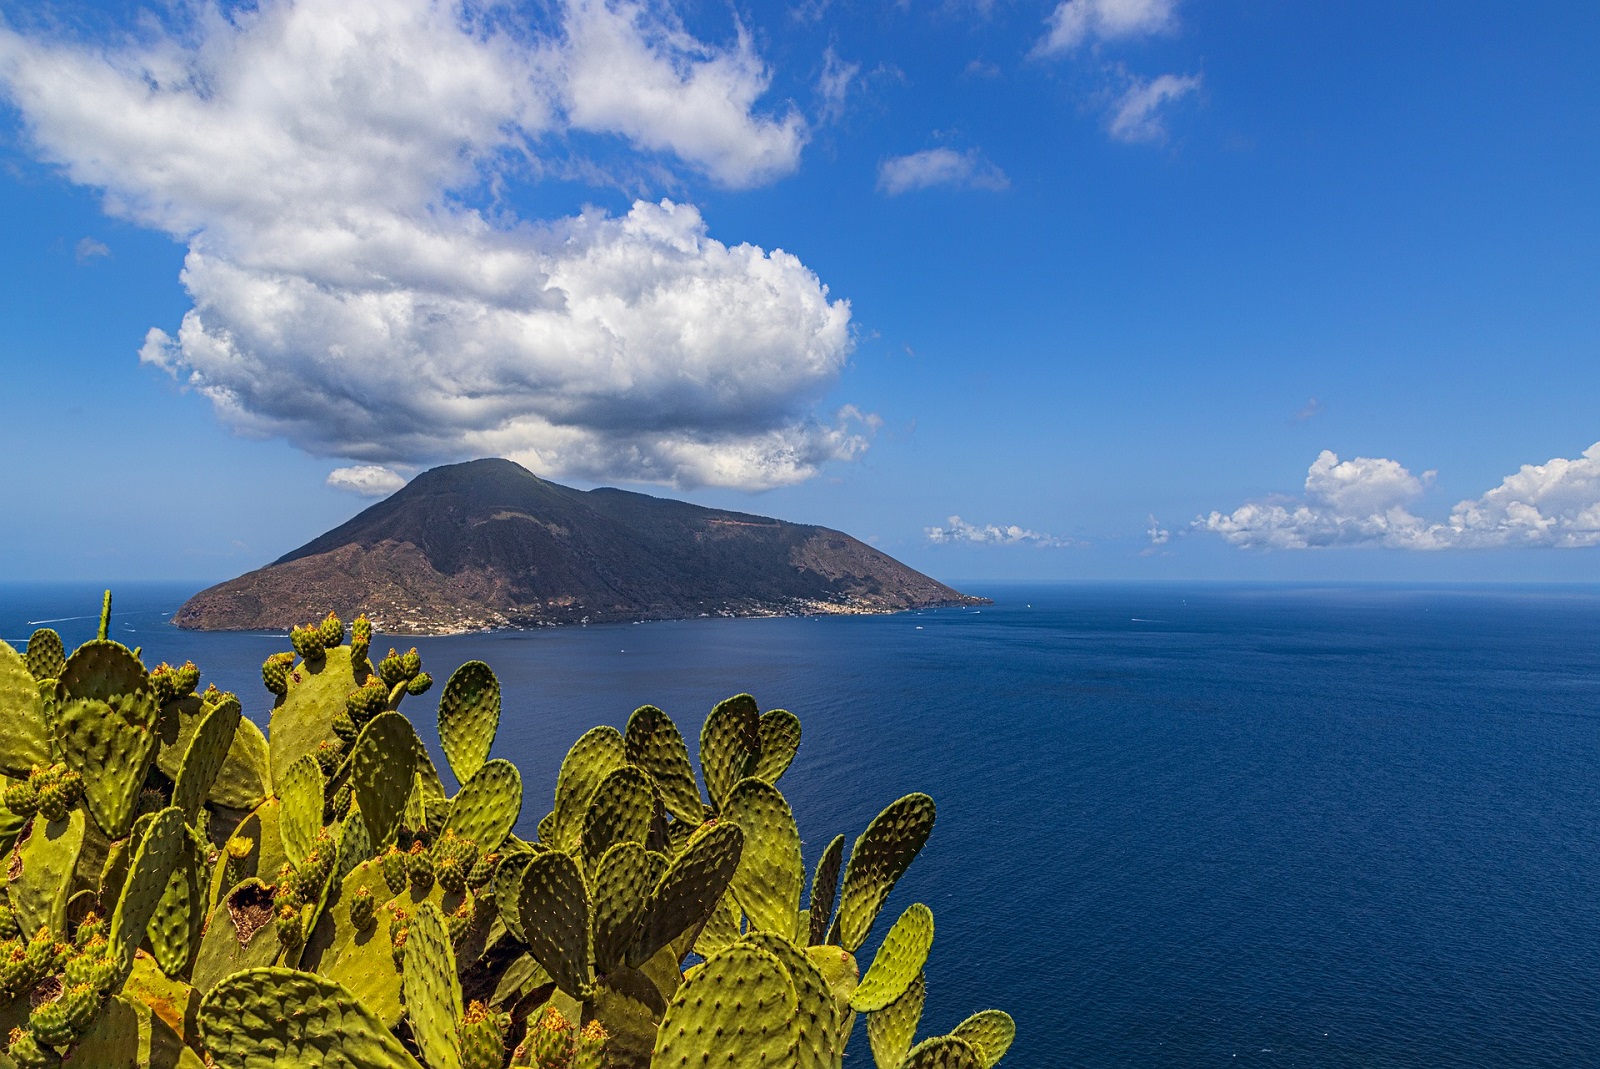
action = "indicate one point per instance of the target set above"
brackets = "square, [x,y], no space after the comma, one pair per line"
[1178,825]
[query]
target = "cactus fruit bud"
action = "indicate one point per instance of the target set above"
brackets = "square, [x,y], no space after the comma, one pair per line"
[363,910]
[459,923]
[482,872]
[331,630]
[390,669]
[454,857]
[9,928]
[275,673]
[419,686]
[481,1036]
[290,933]
[150,801]
[410,663]
[366,701]
[328,756]
[23,798]
[307,642]
[361,630]
[341,802]
[170,683]
[419,867]
[394,870]
[591,1046]
[398,931]
[28,1054]
[553,1041]
[287,890]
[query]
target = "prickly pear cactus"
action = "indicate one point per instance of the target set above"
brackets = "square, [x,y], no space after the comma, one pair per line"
[184,892]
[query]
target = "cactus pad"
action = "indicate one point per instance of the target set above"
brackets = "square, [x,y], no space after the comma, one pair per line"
[469,717]
[990,1031]
[771,873]
[780,739]
[619,811]
[24,733]
[382,773]
[432,989]
[824,889]
[488,805]
[899,961]
[161,849]
[276,1018]
[654,743]
[203,759]
[46,655]
[892,1030]
[554,909]
[879,858]
[105,716]
[47,857]
[304,716]
[174,927]
[943,1052]
[596,754]
[737,1009]
[622,884]
[300,795]
[730,743]
[688,891]
[819,1044]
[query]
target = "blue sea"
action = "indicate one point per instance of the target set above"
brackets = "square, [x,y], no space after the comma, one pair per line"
[1179,825]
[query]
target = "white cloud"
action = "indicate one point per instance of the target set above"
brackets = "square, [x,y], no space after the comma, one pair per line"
[1136,116]
[834,84]
[89,249]
[1075,22]
[958,531]
[1159,535]
[1364,501]
[359,287]
[940,167]
[368,480]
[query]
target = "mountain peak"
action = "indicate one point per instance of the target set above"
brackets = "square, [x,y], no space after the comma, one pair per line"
[487,543]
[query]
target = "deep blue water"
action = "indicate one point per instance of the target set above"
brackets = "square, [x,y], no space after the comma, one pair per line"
[1179,825]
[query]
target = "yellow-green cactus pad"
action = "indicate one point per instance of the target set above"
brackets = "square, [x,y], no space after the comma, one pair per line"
[300,797]
[469,717]
[46,858]
[24,733]
[730,744]
[654,743]
[622,884]
[892,1030]
[276,1018]
[899,960]
[780,740]
[771,873]
[818,1042]
[879,858]
[383,770]
[161,849]
[619,811]
[824,889]
[737,1009]
[596,754]
[432,989]
[105,717]
[488,805]
[555,919]
[688,891]
[204,757]
[990,1031]
[943,1052]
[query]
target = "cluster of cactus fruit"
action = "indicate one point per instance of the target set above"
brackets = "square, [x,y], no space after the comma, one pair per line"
[186,891]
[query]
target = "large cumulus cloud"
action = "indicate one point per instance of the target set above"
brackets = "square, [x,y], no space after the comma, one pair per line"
[337,169]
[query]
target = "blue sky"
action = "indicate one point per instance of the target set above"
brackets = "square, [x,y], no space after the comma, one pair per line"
[1134,288]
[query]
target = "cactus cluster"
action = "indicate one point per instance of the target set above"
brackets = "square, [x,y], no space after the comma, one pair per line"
[184,890]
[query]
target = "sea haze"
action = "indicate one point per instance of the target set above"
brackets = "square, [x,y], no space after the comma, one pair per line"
[1179,825]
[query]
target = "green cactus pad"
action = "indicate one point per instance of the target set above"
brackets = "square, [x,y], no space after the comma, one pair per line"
[771,873]
[382,773]
[174,928]
[736,1009]
[46,655]
[730,744]
[507,886]
[596,754]
[721,929]
[622,884]
[244,778]
[204,757]
[161,849]
[990,1031]
[105,719]
[892,1030]
[654,743]
[620,811]
[239,935]
[127,1034]
[432,989]
[488,806]
[879,858]
[24,731]
[899,960]
[554,908]
[824,889]
[818,1042]
[277,1018]
[300,797]
[469,716]
[304,716]
[47,858]
[780,739]
[838,967]
[688,891]
[943,1052]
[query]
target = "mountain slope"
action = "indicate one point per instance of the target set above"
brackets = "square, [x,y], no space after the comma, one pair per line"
[489,544]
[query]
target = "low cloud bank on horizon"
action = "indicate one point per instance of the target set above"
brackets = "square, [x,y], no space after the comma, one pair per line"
[360,287]
[1366,501]
[957,531]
